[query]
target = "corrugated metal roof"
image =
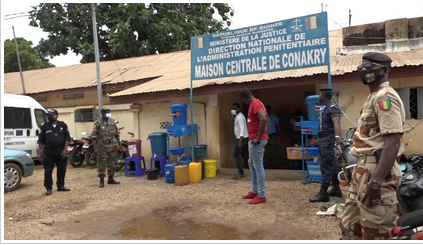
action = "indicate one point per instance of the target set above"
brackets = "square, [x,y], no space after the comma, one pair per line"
[84,75]
[339,65]
[172,72]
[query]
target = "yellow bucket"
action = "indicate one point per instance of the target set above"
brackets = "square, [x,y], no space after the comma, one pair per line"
[210,168]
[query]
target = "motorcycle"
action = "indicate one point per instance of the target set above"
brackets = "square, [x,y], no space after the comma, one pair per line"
[409,227]
[410,194]
[122,153]
[410,191]
[91,158]
[346,161]
[71,144]
[76,159]
[88,150]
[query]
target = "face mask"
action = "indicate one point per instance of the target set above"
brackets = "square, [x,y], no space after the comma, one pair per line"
[108,115]
[50,119]
[370,76]
[233,112]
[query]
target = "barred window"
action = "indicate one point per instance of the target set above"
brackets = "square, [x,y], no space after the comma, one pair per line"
[72,96]
[41,98]
[112,90]
[86,115]
[413,102]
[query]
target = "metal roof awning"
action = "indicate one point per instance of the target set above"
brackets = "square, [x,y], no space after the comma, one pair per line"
[340,65]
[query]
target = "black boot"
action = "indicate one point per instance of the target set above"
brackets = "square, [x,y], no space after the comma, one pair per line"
[322,196]
[101,183]
[112,181]
[335,191]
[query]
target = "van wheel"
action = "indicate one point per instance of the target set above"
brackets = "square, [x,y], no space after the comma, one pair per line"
[12,177]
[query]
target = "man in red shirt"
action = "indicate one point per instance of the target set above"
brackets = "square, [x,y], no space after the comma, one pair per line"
[257,123]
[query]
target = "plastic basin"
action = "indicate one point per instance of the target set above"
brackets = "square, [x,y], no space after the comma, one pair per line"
[177,151]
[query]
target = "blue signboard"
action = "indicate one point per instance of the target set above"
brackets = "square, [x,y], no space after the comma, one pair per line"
[288,44]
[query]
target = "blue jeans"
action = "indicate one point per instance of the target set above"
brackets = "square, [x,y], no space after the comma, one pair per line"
[256,167]
[244,154]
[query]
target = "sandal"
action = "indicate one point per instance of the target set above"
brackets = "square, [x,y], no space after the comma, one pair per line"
[239,176]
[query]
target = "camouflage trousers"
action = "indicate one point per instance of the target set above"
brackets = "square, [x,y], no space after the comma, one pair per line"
[106,159]
[361,222]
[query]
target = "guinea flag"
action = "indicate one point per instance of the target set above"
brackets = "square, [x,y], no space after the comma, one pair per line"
[385,104]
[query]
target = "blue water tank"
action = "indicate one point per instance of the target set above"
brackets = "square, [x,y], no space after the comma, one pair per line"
[313,107]
[179,114]
[158,141]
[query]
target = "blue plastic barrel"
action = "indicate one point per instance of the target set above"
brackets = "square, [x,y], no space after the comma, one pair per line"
[158,141]
[179,114]
[313,107]
[170,172]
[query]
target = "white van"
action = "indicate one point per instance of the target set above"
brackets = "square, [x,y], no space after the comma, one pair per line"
[23,117]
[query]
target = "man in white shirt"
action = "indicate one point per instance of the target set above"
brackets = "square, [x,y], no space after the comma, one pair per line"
[241,134]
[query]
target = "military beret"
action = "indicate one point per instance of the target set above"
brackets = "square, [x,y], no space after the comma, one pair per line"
[105,108]
[326,90]
[52,112]
[377,57]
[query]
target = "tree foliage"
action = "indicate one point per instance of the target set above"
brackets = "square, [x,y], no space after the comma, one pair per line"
[126,29]
[30,57]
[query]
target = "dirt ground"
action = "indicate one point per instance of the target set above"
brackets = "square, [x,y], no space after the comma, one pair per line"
[142,209]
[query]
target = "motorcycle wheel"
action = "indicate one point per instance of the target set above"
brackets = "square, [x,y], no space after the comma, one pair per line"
[76,159]
[413,219]
[90,158]
[120,160]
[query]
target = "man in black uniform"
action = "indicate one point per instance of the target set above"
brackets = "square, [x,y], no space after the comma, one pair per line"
[52,148]
[328,134]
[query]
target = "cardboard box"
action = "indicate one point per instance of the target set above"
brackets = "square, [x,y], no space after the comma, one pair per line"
[294,153]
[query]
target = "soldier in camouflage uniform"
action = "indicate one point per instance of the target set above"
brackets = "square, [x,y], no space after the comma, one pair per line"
[106,142]
[371,205]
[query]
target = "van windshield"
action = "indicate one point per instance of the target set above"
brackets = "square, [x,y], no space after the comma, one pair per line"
[40,116]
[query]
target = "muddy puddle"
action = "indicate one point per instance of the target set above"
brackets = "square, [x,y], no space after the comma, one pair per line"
[165,223]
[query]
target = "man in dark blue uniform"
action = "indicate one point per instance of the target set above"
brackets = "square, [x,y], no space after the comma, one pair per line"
[328,134]
[52,148]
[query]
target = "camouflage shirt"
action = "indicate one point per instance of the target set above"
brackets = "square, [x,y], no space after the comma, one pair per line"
[105,131]
[382,113]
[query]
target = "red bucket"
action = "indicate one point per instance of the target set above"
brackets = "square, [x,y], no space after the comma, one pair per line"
[134,147]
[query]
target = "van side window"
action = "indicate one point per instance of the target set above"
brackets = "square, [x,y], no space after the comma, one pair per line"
[15,117]
[40,117]
[8,117]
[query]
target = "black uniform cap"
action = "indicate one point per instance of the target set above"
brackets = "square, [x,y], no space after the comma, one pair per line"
[326,89]
[378,58]
[52,111]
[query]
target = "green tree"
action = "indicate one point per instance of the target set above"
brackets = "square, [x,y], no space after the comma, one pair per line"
[126,29]
[30,57]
